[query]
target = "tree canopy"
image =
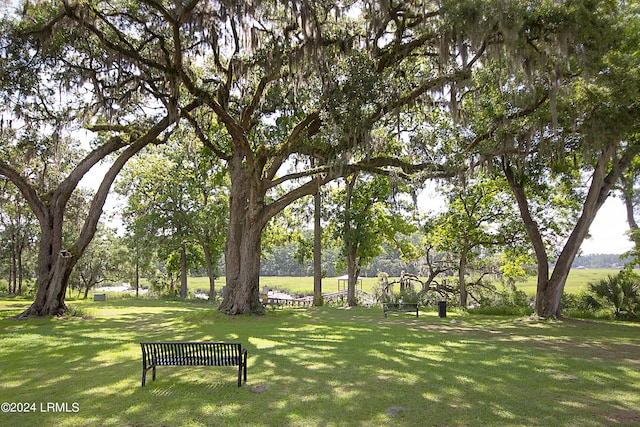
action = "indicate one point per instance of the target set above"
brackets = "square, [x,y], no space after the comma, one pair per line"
[290,96]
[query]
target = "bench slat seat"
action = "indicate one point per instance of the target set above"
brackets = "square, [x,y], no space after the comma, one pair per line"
[193,354]
[403,307]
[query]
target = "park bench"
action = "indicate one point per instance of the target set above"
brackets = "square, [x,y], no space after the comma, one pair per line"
[401,307]
[193,354]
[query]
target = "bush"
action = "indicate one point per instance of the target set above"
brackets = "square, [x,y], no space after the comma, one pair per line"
[508,302]
[502,310]
[581,302]
[404,296]
[160,286]
[620,294]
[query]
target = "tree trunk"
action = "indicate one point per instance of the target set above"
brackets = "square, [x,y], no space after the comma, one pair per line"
[210,271]
[243,274]
[54,267]
[627,193]
[20,268]
[13,280]
[52,288]
[9,280]
[251,177]
[462,285]
[352,273]
[607,171]
[243,246]
[533,231]
[317,251]
[183,271]
[350,246]
[136,279]
[54,264]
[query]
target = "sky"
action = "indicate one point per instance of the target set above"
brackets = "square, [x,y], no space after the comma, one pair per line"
[608,230]
[607,233]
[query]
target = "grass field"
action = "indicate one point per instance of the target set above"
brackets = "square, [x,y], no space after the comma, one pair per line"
[318,367]
[578,281]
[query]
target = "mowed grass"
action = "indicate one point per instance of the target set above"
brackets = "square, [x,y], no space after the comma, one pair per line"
[318,367]
[578,281]
[290,284]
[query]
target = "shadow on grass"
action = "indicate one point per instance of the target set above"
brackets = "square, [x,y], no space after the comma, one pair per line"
[324,366]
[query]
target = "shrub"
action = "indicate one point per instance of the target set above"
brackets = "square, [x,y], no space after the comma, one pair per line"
[620,293]
[502,310]
[508,302]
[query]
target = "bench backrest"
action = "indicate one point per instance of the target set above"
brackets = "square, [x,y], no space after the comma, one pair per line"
[392,305]
[191,353]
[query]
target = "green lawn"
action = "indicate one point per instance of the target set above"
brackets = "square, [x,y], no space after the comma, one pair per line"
[294,285]
[318,367]
[578,281]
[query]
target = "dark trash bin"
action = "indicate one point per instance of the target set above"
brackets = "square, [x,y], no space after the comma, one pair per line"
[442,309]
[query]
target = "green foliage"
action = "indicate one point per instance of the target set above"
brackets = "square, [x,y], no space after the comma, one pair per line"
[176,197]
[501,310]
[163,285]
[480,221]
[367,215]
[405,296]
[79,312]
[584,305]
[620,293]
[516,263]
[98,264]
[508,301]
[369,78]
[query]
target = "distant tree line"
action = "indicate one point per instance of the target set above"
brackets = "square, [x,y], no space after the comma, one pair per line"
[280,262]
[600,261]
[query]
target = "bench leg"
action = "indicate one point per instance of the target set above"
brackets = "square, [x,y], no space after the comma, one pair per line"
[245,367]
[144,375]
[242,368]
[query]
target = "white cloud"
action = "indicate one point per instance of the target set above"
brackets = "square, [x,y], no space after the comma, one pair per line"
[608,230]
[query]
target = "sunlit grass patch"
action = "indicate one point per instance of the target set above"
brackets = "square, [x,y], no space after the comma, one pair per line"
[324,366]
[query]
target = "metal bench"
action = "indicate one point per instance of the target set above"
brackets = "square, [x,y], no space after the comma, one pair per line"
[400,307]
[193,354]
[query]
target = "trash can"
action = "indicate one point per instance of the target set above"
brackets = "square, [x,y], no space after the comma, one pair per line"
[442,309]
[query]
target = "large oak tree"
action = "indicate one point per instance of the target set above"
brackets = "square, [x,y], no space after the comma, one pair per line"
[579,134]
[270,86]
[50,84]
[281,84]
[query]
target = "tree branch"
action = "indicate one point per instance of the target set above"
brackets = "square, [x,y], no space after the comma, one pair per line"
[513,116]
[28,192]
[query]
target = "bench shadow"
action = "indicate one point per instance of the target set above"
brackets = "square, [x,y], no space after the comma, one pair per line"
[317,367]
